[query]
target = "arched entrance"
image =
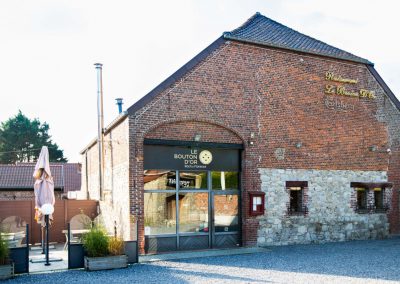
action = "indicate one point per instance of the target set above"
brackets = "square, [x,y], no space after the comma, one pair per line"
[191,191]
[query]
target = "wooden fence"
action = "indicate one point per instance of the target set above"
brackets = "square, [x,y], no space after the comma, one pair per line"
[23,212]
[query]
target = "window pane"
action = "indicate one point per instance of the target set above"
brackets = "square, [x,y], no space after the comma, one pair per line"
[361,198]
[378,197]
[193,212]
[193,180]
[159,213]
[226,213]
[225,180]
[159,179]
[296,199]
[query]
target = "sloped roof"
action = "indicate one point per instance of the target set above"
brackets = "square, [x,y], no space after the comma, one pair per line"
[66,176]
[264,31]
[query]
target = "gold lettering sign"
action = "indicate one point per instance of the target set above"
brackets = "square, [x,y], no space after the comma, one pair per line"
[342,91]
[367,94]
[330,76]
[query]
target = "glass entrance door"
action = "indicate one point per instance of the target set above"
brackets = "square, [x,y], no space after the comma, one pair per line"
[225,219]
[188,210]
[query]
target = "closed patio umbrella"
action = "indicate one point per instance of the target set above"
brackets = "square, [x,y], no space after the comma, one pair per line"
[44,184]
[44,193]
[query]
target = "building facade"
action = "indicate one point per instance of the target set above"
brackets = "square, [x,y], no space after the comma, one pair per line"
[267,137]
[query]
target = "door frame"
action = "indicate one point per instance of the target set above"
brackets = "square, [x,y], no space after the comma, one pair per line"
[213,233]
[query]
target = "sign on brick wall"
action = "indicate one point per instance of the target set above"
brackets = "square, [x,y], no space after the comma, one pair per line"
[190,158]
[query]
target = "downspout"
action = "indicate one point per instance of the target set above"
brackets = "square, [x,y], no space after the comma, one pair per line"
[87,175]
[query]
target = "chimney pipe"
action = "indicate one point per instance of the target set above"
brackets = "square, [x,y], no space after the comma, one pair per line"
[119,104]
[100,125]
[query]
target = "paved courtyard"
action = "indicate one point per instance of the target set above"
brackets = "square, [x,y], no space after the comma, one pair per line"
[348,262]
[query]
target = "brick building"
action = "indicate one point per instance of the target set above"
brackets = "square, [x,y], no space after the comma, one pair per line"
[263,114]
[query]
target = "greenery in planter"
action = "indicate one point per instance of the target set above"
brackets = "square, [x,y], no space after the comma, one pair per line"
[96,242]
[3,251]
[116,246]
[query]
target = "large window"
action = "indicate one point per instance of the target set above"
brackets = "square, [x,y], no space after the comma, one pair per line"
[160,213]
[193,180]
[159,179]
[225,180]
[178,202]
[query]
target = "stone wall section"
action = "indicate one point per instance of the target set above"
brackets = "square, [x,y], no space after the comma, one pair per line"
[331,215]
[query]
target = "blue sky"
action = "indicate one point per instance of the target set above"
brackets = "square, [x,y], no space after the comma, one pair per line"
[47,49]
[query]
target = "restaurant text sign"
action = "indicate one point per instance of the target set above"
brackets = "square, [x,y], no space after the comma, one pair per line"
[342,90]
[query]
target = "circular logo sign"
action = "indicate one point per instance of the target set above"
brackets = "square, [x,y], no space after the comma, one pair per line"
[205,157]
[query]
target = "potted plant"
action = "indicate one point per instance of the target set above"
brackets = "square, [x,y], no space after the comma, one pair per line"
[6,267]
[102,251]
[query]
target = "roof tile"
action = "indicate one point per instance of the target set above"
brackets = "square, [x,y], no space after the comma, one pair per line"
[66,176]
[264,31]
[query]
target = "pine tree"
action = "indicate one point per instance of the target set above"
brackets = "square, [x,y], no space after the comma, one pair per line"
[21,140]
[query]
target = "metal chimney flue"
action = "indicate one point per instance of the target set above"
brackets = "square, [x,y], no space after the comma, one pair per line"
[119,104]
[100,125]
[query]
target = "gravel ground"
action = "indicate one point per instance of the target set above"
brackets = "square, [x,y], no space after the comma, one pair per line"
[347,262]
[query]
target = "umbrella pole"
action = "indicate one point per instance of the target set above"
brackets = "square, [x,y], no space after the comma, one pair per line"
[47,240]
[42,238]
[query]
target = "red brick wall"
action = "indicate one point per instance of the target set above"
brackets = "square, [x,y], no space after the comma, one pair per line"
[186,130]
[278,96]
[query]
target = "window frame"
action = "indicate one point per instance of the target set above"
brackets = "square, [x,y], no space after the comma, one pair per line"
[301,208]
[364,208]
[370,188]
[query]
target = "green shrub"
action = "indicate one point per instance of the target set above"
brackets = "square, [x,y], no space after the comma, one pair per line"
[116,246]
[95,242]
[3,251]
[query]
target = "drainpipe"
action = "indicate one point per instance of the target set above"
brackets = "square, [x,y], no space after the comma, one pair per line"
[87,175]
[100,126]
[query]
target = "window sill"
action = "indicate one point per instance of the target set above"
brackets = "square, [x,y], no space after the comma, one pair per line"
[372,210]
[297,213]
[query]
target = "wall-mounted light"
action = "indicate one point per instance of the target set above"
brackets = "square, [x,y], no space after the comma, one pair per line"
[298,145]
[197,137]
[251,138]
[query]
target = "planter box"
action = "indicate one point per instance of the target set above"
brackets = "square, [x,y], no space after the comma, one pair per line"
[76,255]
[131,251]
[107,262]
[20,259]
[6,271]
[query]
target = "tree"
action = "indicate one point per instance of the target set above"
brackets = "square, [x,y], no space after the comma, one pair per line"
[21,140]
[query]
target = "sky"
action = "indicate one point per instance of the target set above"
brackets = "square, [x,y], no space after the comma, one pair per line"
[48,48]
